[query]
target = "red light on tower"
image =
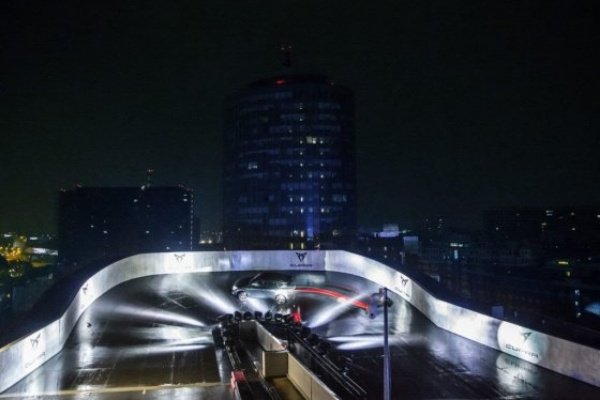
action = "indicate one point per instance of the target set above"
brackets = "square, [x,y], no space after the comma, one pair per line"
[280,81]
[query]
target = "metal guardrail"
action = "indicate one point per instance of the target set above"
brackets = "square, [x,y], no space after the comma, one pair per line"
[312,351]
[330,379]
[248,382]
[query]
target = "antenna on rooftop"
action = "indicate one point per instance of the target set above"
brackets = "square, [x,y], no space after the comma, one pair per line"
[286,51]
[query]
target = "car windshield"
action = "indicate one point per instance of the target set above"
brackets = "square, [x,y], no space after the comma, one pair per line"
[270,278]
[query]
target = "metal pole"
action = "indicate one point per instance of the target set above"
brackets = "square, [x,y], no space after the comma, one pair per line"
[386,349]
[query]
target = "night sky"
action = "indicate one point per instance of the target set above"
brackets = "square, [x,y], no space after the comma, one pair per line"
[461,106]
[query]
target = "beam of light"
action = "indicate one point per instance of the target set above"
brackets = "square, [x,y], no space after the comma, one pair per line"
[173,339]
[150,350]
[329,313]
[593,308]
[203,292]
[360,342]
[185,337]
[257,305]
[165,339]
[149,314]
[164,333]
[355,338]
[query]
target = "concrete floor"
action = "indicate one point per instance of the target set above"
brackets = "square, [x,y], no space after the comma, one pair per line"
[150,338]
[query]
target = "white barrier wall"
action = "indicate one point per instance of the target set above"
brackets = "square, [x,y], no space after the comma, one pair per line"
[19,358]
[307,383]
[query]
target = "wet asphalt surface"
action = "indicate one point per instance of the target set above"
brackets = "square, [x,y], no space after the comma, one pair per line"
[151,338]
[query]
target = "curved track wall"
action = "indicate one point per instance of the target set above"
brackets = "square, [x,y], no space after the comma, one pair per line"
[21,357]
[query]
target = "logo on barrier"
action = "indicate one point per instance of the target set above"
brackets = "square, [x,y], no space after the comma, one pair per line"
[179,257]
[522,342]
[525,335]
[37,353]
[302,258]
[402,287]
[35,341]
[84,289]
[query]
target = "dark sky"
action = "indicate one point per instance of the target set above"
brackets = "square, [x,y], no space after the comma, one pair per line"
[461,106]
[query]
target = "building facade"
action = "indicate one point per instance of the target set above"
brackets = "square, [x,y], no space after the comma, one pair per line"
[99,223]
[289,164]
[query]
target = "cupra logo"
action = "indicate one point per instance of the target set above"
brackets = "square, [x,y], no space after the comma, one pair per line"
[525,335]
[301,256]
[35,341]
[403,280]
[85,289]
[179,257]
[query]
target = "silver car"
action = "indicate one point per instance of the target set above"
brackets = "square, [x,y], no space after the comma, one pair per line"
[265,285]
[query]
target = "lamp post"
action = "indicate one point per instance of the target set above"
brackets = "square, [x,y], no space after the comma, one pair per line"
[380,299]
[386,349]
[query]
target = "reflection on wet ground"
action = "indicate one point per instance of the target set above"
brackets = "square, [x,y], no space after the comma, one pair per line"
[150,338]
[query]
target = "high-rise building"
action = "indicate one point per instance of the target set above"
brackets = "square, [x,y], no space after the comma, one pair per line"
[289,164]
[97,223]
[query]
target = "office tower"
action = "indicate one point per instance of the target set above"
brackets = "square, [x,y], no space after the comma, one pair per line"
[289,164]
[99,223]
